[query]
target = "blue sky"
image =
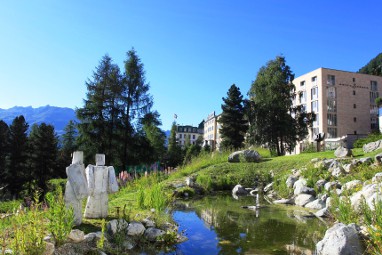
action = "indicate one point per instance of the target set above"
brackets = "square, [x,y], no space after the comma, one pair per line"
[193,51]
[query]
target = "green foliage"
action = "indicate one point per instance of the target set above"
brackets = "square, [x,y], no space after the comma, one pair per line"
[9,206]
[342,210]
[28,230]
[373,221]
[271,121]
[101,241]
[374,66]
[205,181]
[359,143]
[61,219]
[182,192]
[174,153]
[233,124]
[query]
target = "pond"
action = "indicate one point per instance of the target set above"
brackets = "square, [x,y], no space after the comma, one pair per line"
[219,225]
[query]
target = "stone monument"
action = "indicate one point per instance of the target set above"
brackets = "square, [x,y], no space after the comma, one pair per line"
[76,186]
[101,182]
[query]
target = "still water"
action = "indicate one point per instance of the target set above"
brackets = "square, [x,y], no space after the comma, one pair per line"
[219,225]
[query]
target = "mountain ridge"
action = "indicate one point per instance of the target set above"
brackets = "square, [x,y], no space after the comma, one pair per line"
[59,117]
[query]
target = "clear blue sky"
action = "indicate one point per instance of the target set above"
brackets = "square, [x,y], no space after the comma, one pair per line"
[192,50]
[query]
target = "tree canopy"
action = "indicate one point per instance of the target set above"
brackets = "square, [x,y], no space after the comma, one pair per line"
[274,120]
[374,66]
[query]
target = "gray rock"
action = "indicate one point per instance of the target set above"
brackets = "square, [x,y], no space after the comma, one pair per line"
[377,178]
[49,249]
[115,226]
[76,236]
[303,199]
[320,184]
[340,239]
[372,146]
[342,152]
[129,243]
[366,161]
[352,184]
[317,204]
[348,167]
[245,156]
[332,185]
[334,164]
[337,171]
[135,229]
[366,192]
[328,162]
[290,181]
[374,199]
[148,223]
[239,190]
[328,202]
[152,234]
[324,212]
[378,158]
[299,185]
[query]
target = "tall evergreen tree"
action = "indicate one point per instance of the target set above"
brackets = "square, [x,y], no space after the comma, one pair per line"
[155,135]
[233,124]
[99,117]
[68,146]
[275,121]
[174,151]
[4,150]
[43,154]
[136,102]
[15,177]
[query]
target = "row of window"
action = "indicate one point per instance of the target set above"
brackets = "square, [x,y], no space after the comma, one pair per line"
[331,81]
[187,129]
[185,136]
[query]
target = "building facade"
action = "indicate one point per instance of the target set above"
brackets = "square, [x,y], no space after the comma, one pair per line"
[185,134]
[344,102]
[211,134]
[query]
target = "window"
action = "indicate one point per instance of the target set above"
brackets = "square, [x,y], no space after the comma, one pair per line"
[315,132]
[314,80]
[180,135]
[355,119]
[373,86]
[302,83]
[302,97]
[373,96]
[314,105]
[353,79]
[353,92]
[193,137]
[355,132]
[354,106]
[373,109]
[316,123]
[332,119]
[332,105]
[331,80]
[331,92]
[332,132]
[314,93]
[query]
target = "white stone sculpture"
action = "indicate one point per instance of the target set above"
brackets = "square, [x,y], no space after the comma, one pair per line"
[76,186]
[101,182]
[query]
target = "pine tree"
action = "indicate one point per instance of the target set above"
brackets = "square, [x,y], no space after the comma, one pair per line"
[68,146]
[15,176]
[4,150]
[272,122]
[233,124]
[43,144]
[155,135]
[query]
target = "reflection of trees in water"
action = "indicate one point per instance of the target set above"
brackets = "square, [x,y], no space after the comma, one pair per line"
[240,231]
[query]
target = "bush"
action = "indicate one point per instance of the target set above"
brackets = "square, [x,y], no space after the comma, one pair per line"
[370,138]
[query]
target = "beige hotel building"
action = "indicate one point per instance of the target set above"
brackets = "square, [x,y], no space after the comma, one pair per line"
[344,102]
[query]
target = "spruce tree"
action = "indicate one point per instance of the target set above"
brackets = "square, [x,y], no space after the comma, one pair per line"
[174,152]
[43,144]
[155,135]
[4,150]
[16,177]
[233,124]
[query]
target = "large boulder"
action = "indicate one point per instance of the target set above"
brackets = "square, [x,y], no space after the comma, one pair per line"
[372,146]
[303,199]
[291,180]
[115,226]
[317,204]
[244,156]
[340,239]
[152,234]
[342,152]
[135,229]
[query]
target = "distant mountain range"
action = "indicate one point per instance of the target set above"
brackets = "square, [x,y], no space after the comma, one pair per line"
[59,117]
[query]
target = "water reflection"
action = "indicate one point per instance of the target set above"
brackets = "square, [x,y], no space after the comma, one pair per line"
[219,225]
